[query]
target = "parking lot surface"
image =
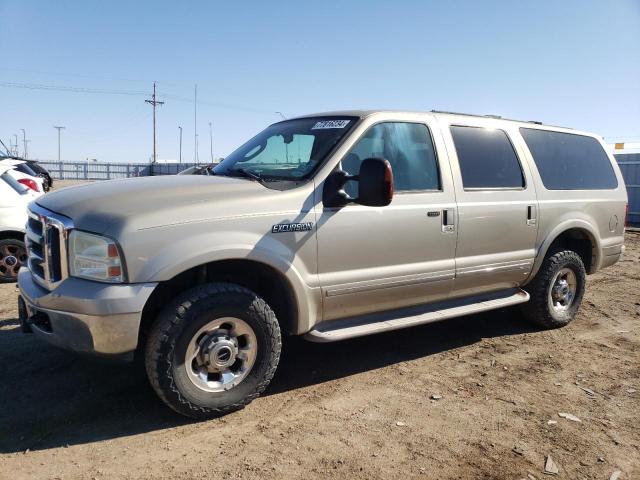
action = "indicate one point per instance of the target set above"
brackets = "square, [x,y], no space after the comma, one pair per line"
[473,397]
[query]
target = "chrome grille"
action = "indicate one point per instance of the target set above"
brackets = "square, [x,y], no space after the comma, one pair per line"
[46,239]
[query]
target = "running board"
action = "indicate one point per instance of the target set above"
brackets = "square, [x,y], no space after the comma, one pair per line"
[336,330]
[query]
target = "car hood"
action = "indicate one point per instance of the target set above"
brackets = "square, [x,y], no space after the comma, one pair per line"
[148,202]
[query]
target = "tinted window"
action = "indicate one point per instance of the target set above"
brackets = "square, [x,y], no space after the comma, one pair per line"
[13,183]
[569,162]
[409,149]
[24,168]
[487,158]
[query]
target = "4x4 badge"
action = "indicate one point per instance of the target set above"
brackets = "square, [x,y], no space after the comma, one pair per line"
[291,227]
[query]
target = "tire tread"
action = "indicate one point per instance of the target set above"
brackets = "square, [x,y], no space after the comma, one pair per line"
[537,309]
[172,316]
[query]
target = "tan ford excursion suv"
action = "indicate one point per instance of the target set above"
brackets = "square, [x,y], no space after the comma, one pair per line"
[330,226]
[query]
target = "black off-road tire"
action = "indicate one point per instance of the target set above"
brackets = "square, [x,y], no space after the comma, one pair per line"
[176,325]
[538,310]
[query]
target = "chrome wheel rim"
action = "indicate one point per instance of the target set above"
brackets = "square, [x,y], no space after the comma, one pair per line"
[563,290]
[221,354]
[12,257]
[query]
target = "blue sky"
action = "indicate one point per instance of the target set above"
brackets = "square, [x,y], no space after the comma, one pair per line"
[572,63]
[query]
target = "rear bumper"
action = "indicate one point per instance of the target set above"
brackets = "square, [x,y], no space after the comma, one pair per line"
[83,316]
[611,255]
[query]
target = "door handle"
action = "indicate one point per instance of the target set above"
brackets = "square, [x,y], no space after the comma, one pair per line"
[448,220]
[532,215]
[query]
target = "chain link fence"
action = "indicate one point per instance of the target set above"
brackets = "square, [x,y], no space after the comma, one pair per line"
[108,171]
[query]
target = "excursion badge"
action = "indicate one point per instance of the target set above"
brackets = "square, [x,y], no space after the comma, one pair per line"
[291,227]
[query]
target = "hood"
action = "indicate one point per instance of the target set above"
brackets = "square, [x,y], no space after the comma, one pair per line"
[147,202]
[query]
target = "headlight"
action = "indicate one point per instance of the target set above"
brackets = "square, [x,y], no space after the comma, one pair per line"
[94,257]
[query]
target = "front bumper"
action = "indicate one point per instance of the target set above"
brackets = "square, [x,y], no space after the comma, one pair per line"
[84,316]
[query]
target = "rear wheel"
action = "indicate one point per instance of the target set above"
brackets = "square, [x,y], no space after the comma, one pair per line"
[213,350]
[557,290]
[13,255]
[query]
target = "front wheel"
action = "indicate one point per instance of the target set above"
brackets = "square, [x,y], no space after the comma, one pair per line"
[213,350]
[557,290]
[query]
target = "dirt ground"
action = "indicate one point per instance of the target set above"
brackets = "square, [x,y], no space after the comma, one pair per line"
[356,409]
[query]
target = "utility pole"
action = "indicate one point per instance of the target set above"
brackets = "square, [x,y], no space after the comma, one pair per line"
[153,102]
[58,128]
[15,146]
[24,142]
[195,124]
[211,141]
[26,154]
[180,143]
[197,156]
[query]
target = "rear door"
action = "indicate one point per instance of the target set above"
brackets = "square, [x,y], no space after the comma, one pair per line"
[497,206]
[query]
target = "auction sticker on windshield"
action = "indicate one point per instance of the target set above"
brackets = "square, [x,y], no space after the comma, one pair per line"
[330,124]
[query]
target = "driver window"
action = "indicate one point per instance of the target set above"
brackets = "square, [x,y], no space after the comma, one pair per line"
[408,148]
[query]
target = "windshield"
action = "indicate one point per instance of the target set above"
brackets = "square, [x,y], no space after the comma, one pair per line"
[289,150]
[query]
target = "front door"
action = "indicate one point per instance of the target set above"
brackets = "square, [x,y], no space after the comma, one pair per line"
[377,258]
[497,208]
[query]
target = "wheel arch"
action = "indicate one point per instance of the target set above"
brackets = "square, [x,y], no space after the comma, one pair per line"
[11,234]
[577,235]
[270,283]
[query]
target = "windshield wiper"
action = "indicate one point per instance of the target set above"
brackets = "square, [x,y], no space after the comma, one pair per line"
[246,173]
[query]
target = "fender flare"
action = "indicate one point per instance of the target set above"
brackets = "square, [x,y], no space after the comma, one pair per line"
[307,299]
[564,226]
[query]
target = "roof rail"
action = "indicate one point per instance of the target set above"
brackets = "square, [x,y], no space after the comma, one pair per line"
[466,114]
[497,117]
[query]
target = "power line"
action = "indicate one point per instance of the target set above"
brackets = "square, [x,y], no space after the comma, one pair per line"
[78,75]
[121,125]
[104,91]
[228,106]
[61,88]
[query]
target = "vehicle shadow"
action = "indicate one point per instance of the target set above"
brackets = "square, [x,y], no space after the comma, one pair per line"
[52,398]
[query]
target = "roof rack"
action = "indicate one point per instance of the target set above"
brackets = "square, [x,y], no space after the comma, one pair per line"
[497,117]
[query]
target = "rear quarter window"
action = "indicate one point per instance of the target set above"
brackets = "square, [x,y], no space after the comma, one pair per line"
[13,183]
[567,161]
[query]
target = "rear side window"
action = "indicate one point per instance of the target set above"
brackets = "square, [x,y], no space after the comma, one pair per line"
[487,158]
[13,183]
[569,162]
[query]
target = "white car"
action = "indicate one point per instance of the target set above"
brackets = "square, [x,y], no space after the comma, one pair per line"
[23,174]
[14,198]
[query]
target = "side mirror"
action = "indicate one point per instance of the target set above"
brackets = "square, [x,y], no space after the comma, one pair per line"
[375,188]
[375,185]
